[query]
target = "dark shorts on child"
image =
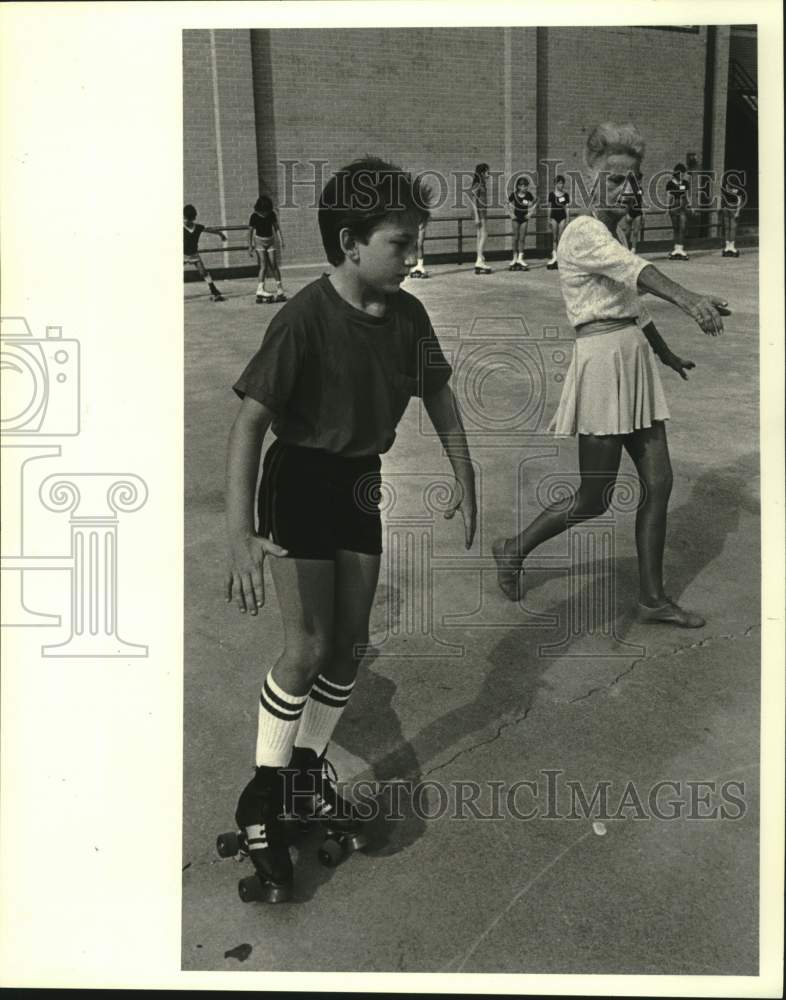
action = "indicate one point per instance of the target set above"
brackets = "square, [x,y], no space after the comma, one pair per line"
[314,502]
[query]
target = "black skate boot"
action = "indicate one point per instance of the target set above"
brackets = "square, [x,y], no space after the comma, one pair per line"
[261,836]
[315,799]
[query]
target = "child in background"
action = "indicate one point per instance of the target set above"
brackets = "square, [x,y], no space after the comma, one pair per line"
[192,230]
[732,200]
[522,204]
[631,226]
[558,217]
[263,228]
[678,191]
[333,377]
[478,196]
[419,271]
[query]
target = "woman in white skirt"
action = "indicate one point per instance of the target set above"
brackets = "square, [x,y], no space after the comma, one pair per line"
[612,396]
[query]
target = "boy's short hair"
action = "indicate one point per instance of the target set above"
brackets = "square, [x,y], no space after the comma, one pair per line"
[263,204]
[363,195]
[680,168]
[189,212]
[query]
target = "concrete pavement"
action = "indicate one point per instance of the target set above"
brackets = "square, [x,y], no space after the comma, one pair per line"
[465,687]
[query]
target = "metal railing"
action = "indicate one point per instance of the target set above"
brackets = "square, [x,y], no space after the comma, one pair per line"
[462,235]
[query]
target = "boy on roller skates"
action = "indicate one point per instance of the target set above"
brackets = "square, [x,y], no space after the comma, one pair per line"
[333,377]
[192,230]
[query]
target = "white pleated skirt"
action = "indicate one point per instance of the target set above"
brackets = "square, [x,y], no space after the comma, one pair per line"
[612,385]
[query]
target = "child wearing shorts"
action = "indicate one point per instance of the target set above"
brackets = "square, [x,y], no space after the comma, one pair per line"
[333,377]
[263,229]
[521,206]
[192,230]
[732,200]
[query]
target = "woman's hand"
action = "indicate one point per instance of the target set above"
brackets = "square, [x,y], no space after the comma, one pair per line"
[244,578]
[678,364]
[465,502]
[706,311]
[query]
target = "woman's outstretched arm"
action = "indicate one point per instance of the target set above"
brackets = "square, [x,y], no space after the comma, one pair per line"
[706,310]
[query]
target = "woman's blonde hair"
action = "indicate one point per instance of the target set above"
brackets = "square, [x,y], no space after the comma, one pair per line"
[606,139]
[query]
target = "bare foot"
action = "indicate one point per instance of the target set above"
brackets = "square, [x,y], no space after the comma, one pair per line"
[509,570]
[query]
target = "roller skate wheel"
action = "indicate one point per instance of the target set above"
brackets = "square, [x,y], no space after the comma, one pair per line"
[330,853]
[250,889]
[228,844]
[354,842]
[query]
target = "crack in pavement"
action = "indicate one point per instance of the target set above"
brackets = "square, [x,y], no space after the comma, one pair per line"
[480,743]
[679,651]
[643,659]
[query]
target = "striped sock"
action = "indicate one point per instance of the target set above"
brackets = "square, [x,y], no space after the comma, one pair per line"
[325,704]
[279,716]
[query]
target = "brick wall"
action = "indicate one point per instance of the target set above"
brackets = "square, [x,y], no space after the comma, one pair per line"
[430,99]
[200,160]
[220,174]
[651,77]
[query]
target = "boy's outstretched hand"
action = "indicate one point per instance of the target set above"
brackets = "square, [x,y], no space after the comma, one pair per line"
[245,580]
[467,505]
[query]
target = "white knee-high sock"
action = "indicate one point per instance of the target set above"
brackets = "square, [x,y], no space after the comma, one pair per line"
[323,710]
[279,718]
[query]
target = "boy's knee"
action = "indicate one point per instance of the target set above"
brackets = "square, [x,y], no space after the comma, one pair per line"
[311,655]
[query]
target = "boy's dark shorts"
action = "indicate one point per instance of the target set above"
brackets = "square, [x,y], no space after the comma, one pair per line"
[313,502]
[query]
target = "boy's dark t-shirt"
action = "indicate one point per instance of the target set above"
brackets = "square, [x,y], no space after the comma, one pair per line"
[191,239]
[263,224]
[338,379]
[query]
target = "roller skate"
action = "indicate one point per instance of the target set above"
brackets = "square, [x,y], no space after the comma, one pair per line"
[481,267]
[261,837]
[217,297]
[678,254]
[314,799]
[418,272]
[552,265]
[514,265]
[265,299]
[280,297]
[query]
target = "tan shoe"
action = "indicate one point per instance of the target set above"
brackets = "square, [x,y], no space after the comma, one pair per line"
[669,614]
